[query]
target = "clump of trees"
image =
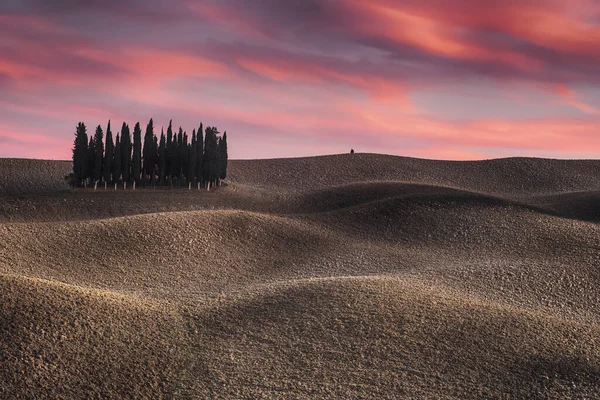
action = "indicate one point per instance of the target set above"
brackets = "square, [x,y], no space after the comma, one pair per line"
[173,160]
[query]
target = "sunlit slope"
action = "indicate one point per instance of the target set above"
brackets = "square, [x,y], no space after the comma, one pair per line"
[63,342]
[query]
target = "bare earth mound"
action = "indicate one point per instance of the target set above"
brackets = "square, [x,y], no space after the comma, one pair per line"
[348,276]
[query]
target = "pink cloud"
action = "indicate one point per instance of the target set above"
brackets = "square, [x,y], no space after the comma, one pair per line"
[330,73]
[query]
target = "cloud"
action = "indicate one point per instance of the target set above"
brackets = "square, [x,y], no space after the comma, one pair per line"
[338,73]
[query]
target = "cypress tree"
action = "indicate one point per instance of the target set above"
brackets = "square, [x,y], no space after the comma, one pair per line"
[126,152]
[205,162]
[211,155]
[171,153]
[191,170]
[80,150]
[148,152]
[183,155]
[136,168]
[99,152]
[162,166]
[116,165]
[178,156]
[155,159]
[91,158]
[223,156]
[199,153]
[109,150]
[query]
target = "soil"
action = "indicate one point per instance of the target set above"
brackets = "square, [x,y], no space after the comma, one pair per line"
[346,276]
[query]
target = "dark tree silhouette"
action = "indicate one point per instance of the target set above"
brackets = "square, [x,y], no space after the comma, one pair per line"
[184,155]
[223,156]
[99,153]
[211,156]
[109,150]
[116,165]
[171,153]
[148,152]
[201,158]
[162,166]
[91,158]
[199,153]
[126,152]
[136,168]
[80,153]
[191,165]
[179,156]
[155,159]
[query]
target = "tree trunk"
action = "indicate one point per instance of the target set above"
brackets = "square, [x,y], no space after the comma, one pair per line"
[189,185]
[198,185]
[105,185]
[95,185]
[124,185]
[208,186]
[134,184]
[115,185]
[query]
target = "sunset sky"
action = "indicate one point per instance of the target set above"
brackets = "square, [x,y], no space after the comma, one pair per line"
[455,79]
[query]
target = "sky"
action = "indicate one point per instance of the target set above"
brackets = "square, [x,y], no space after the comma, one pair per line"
[442,79]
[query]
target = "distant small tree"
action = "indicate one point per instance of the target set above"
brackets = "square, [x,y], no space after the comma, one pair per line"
[109,150]
[71,180]
[351,151]
[223,156]
[136,168]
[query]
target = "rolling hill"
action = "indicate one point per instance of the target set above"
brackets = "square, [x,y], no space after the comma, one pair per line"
[346,276]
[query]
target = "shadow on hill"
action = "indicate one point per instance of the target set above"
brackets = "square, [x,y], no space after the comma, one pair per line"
[582,206]
[339,337]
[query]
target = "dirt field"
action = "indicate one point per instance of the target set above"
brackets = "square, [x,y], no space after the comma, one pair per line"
[348,276]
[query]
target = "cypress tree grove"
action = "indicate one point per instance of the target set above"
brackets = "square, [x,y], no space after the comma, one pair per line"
[126,152]
[223,156]
[109,150]
[201,158]
[80,150]
[116,165]
[148,152]
[199,153]
[162,167]
[136,168]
